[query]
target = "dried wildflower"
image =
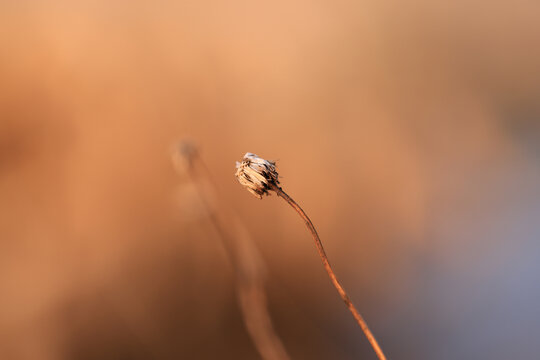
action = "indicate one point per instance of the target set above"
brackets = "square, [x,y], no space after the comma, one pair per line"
[247,263]
[183,154]
[257,175]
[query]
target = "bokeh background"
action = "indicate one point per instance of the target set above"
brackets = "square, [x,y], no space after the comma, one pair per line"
[410,132]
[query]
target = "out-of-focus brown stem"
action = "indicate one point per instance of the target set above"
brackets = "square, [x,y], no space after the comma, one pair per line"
[359,319]
[247,265]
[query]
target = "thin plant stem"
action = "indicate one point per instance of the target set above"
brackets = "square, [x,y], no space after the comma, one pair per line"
[247,265]
[359,319]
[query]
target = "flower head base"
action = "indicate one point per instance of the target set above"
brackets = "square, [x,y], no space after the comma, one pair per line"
[257,175]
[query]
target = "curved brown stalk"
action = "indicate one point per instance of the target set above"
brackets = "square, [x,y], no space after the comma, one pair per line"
[359,319]
[247,264]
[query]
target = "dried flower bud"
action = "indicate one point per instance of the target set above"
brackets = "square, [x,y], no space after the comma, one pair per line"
[256,174]
[183,154]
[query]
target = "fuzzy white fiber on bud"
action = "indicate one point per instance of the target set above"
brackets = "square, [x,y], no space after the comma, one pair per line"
[256,174]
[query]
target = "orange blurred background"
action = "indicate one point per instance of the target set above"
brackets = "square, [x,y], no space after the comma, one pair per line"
[409,132]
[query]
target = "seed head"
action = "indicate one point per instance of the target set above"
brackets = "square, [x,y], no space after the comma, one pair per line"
[256,174]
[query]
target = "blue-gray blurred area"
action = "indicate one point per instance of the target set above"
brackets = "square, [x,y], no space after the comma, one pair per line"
[408,131]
